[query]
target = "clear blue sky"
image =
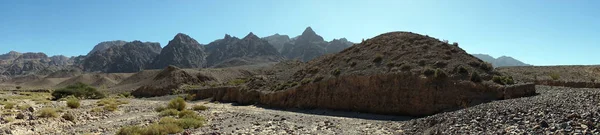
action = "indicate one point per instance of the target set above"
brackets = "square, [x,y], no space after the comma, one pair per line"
[539,32]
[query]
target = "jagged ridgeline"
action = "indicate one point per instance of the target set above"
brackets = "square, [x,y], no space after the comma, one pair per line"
[399,73]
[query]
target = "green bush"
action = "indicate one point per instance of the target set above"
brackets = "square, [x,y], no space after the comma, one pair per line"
[47,113]
[8,105]
[111,107]
[486,66]
[185,113]
[169,112]
[475,77]
[68,116]
[439,73]
[504,80]
[73,103]
[79,90]
[555,76]
[177,103]
[187,123]
[463,70]
[428,72]
[160,108]
[130,130]
[199,108]
[336,72]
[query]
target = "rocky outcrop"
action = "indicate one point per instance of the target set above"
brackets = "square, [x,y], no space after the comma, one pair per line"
[131,57]
[183,51]
[107,44]
[232,51]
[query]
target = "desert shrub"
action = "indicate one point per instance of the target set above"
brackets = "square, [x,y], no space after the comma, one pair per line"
[47,113]
[190,97]
[169,112]
[79,90]
[405,67]
[129,130]
[336,72]
[68,116]
[439,73]
[111,107]
[8,105]
[352,64]
[73,103]
[318,78]
[107,101]
[96,109]
[199,108]
[378,58]
[428,72]
[18,87]
[593,79]
[306,81]
[555,76]
[475,77]
[125,95]
[185,113]
[167,120]
[161,129]
[237,81]
[463,70]
[486,66]
[177,103]
[24,107]
[160,108]
[504,80]
[455,44]
[187,123]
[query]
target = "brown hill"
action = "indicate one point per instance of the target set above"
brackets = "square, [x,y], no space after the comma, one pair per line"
[100,80]
[399,73]
[167,81]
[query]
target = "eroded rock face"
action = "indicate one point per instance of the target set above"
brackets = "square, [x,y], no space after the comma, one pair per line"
[130,57]
[183,51]
[105,45]
[396,94]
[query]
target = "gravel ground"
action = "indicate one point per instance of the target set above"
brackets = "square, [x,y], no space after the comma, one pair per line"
[556,110]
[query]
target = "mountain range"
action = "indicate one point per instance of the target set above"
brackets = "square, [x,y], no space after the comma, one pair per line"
[183,51]
[502,61]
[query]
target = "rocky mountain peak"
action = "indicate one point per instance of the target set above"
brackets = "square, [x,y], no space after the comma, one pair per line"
[107,44]
[183,39]
[251,36]
[309,31]
[227,36]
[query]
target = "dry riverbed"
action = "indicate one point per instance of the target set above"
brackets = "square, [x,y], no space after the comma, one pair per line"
[554,110]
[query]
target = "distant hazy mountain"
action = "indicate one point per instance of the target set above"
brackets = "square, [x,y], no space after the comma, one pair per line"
[307,46]
[15,63]
[502,61]
[232,51]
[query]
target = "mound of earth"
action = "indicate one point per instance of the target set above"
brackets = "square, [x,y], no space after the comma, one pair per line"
[167,81]
[99,80]
[398,73]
